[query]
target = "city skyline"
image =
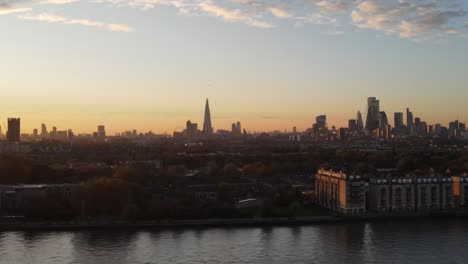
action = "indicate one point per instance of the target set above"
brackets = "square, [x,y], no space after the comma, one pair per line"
[271,64]
[378,118]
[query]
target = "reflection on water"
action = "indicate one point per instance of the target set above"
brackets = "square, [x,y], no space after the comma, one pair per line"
[419,241]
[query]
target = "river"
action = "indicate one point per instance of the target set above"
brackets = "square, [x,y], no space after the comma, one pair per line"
[415,241]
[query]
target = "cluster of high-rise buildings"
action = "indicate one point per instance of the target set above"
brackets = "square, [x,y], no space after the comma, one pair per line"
[377,125]
[192,132]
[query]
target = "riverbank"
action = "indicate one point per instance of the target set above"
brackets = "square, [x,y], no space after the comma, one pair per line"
[205,223]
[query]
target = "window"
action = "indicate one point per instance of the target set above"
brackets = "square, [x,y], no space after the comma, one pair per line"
[448,196]
[398,197]
[433,196]
[465,194]
[383,197]
[423,196]
[409,196]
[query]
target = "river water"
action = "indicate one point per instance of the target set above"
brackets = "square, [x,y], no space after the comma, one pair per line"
[416,241]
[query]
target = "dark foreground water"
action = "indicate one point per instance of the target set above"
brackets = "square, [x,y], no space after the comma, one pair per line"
[416,241]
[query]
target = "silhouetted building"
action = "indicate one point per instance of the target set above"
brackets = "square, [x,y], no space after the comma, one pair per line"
[44,132]
[236,128]
[101,133]
[207,127]
[373,110]
[321,121]
[352,124]
[14,130]
[398,124]
[409,120]
[191,129]
[359,122]
[383,120]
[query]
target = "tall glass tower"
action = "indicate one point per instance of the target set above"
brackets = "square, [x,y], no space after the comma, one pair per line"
[207,128]
[373,110]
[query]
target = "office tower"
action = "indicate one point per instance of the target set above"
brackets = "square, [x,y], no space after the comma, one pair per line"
[14,128]
[417,122]
[35,133]
[383,120]
[359,122]
[191,129]
[101,133]
[462,126]
[373,110]
[352,124]
[239,128]
[207,128]
[236,128]
[44,132]
[398,120]
[453,125]
[321,121]
[409,120]
[342,134]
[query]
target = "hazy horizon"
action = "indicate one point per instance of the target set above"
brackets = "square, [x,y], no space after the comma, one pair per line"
[150,64]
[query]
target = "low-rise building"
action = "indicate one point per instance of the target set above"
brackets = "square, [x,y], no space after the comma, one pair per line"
[460,191]
[340,192]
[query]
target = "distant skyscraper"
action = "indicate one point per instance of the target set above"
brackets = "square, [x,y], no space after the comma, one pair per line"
[383,120]
[191,129]
[359,122]
[409,120]
[44,132]
[398,120]
[14,128]
[236,128]
[352,124]
[101,133]
[321,121]
[207,128]
[373,110]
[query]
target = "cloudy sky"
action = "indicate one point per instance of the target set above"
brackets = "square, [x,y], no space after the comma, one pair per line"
[272,64]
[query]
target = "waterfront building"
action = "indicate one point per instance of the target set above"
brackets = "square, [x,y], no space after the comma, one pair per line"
[391,194]
[427,193]
[340,192]
[460,191]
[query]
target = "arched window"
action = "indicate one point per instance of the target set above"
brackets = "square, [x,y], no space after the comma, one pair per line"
[383,197]
[398,197]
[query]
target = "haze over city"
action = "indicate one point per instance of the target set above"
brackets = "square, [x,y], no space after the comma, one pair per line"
[149,65]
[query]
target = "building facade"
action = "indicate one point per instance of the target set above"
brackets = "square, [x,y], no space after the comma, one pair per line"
[340,192]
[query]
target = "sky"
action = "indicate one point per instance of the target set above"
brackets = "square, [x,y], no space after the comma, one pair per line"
[271,64]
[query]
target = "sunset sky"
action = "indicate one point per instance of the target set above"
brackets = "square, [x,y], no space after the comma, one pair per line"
[150,64]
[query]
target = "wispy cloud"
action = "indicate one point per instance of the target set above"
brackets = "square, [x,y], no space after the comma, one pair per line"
[413,19]
[407,18]
[6,11]
[57,2]
[51,18]
[44,17]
